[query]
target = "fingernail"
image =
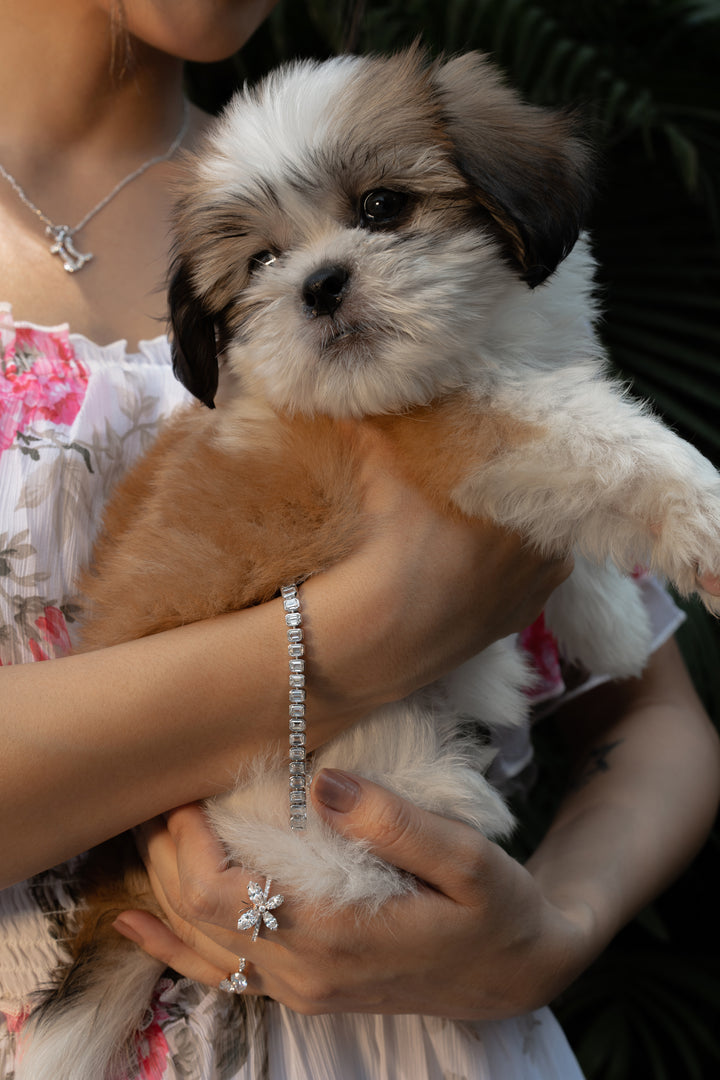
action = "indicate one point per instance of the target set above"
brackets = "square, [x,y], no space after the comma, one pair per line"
[336,790]
[127,930]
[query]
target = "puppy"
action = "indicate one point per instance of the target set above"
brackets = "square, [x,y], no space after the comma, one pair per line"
[398,241]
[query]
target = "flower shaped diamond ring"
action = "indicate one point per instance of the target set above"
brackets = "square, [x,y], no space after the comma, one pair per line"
[261,912]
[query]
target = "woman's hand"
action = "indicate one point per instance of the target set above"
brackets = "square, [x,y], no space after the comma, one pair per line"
[419,595]
[424,593]
[476,940]
[483,936]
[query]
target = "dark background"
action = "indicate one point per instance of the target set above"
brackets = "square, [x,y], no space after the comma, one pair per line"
[645,74]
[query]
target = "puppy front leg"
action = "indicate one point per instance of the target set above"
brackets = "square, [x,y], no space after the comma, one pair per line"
[601,474]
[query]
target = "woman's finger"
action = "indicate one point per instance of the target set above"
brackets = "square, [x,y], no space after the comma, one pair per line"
[181,945]
[186,862]
[405,835]
[213,891]
[158,940]
[218,945]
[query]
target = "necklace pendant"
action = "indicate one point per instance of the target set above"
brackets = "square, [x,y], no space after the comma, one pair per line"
[72,259]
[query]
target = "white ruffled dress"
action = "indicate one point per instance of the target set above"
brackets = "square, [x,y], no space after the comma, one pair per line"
[73,418]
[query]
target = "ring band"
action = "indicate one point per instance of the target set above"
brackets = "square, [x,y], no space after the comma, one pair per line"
[235,983]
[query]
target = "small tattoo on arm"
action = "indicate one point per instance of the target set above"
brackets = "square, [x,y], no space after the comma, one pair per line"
[597,762]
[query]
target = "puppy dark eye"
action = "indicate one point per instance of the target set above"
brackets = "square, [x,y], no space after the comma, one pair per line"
[382,206]
[261,258]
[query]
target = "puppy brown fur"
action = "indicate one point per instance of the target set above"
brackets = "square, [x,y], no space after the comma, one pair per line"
[233,517]
[393,242]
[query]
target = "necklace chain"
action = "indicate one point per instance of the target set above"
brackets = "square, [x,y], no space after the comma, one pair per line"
[62,235]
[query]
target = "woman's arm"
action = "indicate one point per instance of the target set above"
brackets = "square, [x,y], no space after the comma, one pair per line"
[484,937]
[644,799]
[95,743]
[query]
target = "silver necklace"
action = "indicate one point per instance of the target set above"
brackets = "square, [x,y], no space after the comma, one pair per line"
[62,235]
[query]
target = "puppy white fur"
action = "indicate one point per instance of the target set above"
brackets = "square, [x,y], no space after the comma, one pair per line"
[398,241]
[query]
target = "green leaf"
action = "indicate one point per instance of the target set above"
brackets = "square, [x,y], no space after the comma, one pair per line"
[685,154]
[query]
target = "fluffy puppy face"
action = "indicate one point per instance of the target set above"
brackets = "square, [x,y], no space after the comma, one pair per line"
[348,228]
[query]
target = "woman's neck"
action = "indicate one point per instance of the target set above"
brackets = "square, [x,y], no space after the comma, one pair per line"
[70,102]
[71,128]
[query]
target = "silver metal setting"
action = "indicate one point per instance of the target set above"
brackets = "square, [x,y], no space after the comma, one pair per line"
[261,911]
[237,982]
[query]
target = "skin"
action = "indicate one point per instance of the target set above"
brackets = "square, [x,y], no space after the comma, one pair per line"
[79,766]
[484,937]
[70,136]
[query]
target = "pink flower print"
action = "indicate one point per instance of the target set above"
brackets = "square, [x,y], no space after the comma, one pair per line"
[152,1050]
[40,379]
[15,1021]
[53,630]
[541,648]
[37,652]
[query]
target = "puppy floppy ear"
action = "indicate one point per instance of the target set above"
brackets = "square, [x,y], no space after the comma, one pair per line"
[194,336]
[527,168]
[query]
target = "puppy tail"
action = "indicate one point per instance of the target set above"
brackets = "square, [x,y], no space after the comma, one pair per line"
[86,1028]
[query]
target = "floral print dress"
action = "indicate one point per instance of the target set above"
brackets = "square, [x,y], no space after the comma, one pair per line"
[73,417]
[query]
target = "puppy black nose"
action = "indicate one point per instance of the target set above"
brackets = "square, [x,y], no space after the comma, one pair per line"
[323,290]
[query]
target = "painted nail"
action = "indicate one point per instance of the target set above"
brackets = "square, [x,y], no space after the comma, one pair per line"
[336,790]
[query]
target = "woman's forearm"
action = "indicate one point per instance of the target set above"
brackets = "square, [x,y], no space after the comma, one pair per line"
[643,802]
[484,937]
[97,742]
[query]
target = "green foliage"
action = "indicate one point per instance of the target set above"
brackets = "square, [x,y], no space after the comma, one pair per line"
[644,74]
[646,1010]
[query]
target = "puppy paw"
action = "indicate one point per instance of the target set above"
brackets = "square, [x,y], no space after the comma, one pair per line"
[708,589]
[710,583]
[688,550]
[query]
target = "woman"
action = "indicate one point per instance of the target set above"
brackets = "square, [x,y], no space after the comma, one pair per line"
[99,743]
